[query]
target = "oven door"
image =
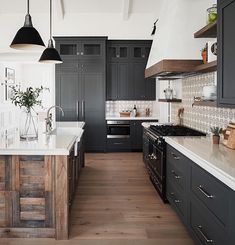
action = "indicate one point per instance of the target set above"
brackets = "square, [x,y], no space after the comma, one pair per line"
[156,161]
[118,129]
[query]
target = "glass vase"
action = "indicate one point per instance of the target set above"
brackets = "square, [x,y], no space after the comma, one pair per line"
[28,125]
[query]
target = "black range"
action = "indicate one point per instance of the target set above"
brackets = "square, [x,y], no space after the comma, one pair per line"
[156,156]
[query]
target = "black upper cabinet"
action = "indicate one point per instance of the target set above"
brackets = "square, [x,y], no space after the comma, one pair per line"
[80,86]
[226,53]
[126,65]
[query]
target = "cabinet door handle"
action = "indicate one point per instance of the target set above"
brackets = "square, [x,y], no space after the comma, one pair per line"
[175,200]
[175,157]
[77,109]
[205,193]
[199,228]
[175,175]
[83,110]
[82,53]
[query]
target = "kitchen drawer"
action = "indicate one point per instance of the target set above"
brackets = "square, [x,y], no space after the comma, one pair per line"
[205,227]
[176,176]
[177,199]
[118,144]
[213,193]
[177,160]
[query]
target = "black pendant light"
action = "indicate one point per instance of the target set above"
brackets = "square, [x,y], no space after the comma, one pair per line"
[27,38]
[50,54]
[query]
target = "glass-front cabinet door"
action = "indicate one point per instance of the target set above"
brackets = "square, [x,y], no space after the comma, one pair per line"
[140,52]
[68,49]
[92,49]
[118,52]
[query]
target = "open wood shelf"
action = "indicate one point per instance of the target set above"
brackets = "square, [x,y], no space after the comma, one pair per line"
[208,67]
[170,101]
[208,31]
[205,103]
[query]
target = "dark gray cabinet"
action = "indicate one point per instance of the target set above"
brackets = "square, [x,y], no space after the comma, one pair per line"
[136,135]
[204,204]
[80,86]
[226,53]
[126,65]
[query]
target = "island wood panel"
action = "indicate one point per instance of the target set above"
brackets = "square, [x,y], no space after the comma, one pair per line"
[5,195]
[62,197]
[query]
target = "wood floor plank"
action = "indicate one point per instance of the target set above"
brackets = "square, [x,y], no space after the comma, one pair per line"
[116,201]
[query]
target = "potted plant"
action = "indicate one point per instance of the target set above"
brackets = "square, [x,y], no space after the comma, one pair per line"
[27,100]
[216,131]
[204,55]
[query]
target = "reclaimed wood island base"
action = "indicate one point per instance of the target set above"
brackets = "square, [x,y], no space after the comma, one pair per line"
[36,192]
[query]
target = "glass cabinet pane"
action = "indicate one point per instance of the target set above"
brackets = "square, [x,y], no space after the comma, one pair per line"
[137,52]
[92,49]
[68,49]
[123,52]
[112,52]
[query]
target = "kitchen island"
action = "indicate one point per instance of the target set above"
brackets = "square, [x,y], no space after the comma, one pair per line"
[37,183]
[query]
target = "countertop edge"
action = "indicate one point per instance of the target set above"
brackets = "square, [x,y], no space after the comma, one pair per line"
[50,152]
[209,167]
[131,118]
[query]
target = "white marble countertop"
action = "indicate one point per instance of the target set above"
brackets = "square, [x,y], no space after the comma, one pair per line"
[79,124]
[109,118]
[45,145]
[218,160]
[59,142]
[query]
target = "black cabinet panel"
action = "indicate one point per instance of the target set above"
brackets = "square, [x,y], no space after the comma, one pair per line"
[67,96]
[112,81]
[204,204]
[80,86]
[226,53]
[126,66]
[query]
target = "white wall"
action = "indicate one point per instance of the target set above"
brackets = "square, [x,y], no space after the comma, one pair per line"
[138,26]
[174,39]
[8,112]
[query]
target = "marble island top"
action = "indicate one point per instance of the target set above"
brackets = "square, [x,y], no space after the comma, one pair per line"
[218,160]
[59,142]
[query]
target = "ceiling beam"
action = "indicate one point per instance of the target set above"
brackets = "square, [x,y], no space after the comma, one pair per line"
[126,9]
[60,9]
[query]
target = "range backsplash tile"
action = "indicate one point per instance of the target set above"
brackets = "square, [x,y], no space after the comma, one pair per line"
[114,107]
[200,117]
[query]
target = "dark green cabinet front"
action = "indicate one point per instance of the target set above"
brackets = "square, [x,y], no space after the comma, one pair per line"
[126,65]
[226,53]
[80,86]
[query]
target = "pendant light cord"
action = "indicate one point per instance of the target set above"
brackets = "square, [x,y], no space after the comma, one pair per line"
[50,19]
[27,6]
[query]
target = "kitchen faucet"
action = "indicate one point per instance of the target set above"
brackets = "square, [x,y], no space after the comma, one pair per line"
[49,120]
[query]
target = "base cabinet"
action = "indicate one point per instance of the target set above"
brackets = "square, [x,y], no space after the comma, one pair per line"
[204,204]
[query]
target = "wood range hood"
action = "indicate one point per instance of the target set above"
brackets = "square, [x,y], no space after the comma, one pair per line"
[172,69]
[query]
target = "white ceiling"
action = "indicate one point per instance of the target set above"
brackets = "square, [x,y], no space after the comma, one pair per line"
[82,6]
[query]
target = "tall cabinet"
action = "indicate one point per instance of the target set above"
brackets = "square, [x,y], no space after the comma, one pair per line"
[80,86]
[226,53]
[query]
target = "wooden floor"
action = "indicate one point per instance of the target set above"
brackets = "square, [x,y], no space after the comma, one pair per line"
[115,200]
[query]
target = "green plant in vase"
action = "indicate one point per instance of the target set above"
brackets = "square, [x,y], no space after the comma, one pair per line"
[27,100]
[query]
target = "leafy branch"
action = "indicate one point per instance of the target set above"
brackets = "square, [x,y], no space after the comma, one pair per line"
[28,98]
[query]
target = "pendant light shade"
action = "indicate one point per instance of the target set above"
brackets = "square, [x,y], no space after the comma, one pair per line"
[27,37]
[50,54]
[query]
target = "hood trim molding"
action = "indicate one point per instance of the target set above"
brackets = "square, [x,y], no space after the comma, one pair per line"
[171,68]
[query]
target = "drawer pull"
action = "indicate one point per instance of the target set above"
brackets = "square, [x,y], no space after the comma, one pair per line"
[203,235]
[175,175]
[200,188]
[175,157]
[176,200]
